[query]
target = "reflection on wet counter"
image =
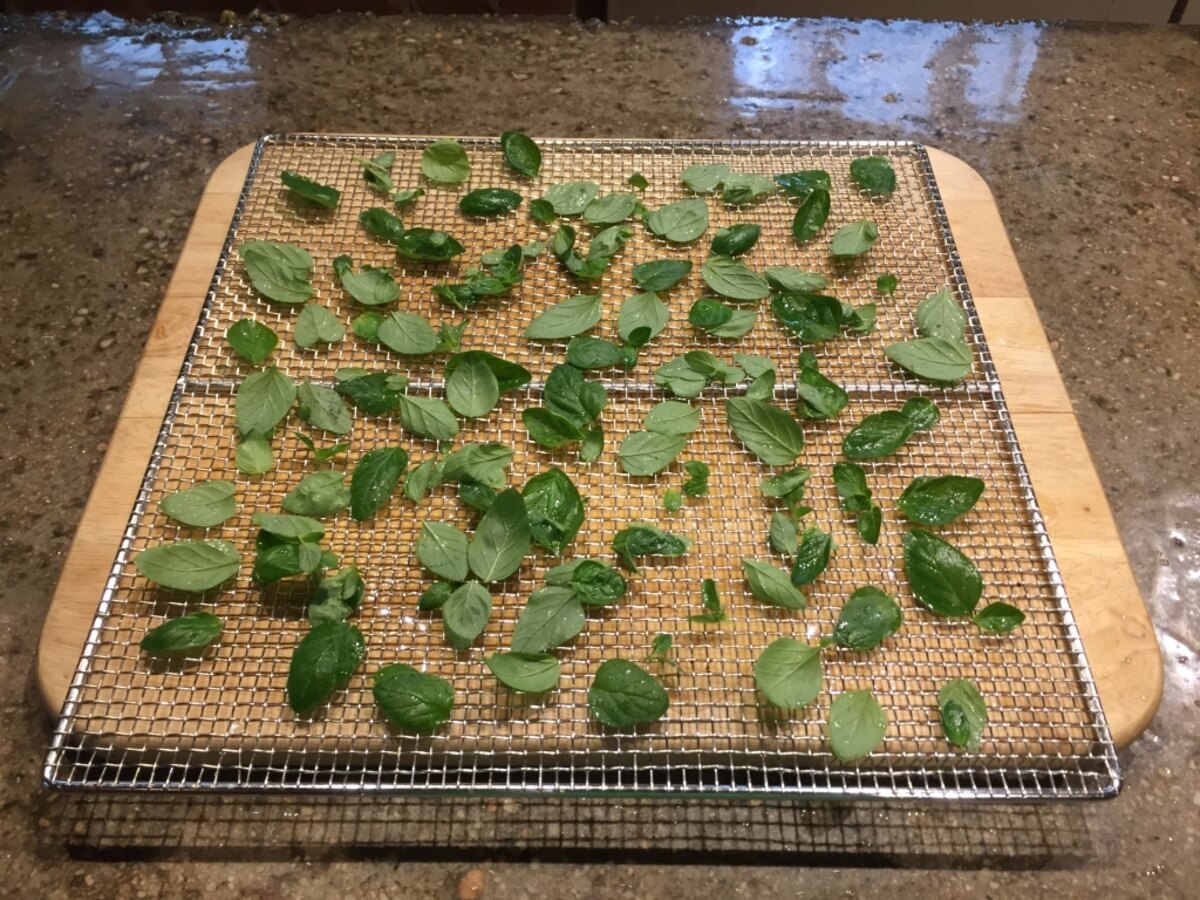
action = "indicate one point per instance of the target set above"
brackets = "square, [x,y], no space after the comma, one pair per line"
[897,73]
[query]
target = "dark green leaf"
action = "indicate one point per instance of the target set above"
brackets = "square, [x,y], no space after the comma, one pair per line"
[873,173]
[472,389]
[964,714]
[428,417]
[922,413]
[869,617]
[428,245]
[377,172]
[552,617]
[521,153]
[411,700]
[672,417]
[435,596]
[572,198]
[786,484]
[939,500]
[312,191]
[370,393]
[550,430]
[940,316]
[280,272]
[801,184]
[697,480]
[733,279]
[404,198]
[637,181]
[527,673]
[819,398]
[509,375]
[445,162]
[255,456]
[943,580]
[263,400]
[565,319]
[203,505]
[488,202]
[661,275]
[610,209]
[869,522]
[877,435]
[322,408]
[813,317]
[370,286]
[738,325]
[887,283]
[319,494]
[554,509]
[680,222]
[366,326]
[713,613]
[337,597]
[588,352]
[645,453]
[766,430]
[321,662]
[851,483]
[812,556]
[788,673]
[484,463]
[541,211]
[375,477]
[704,178]
[623,695]
[933,359]
[738,188]
[999,618]
[407,334]
[476,496]
[772,585]
[646,540]
[293,528]
[789,280]
[736,239]
[854,239]
[595,583]
[857,724]
[707,313]
[189,565]
[426,476]
[322,454]
[608,242]
[442,549]
[251,340]
[382,224]
[811,215]
[181,636]
[680,378]
[783,536]
[642,311]
[465,614]
[501,540]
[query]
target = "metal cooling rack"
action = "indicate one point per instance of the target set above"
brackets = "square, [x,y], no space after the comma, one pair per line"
[220,721]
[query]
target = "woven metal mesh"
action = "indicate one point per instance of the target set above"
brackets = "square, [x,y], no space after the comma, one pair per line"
[220,720]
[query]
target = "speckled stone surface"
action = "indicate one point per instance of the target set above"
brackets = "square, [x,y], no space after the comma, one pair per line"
[1087,135]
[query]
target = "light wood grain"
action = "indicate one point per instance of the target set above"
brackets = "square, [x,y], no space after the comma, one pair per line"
[1112,619]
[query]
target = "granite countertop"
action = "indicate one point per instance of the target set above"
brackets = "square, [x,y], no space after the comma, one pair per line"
[1088,137]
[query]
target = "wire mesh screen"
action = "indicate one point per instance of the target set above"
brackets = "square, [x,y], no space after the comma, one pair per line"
[220,719]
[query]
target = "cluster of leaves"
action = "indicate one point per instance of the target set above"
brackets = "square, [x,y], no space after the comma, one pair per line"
[941,353]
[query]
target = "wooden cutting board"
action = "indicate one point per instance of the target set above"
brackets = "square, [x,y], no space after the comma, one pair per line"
[1112,619]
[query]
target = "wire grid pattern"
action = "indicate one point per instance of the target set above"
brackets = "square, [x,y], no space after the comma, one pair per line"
[220,720]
